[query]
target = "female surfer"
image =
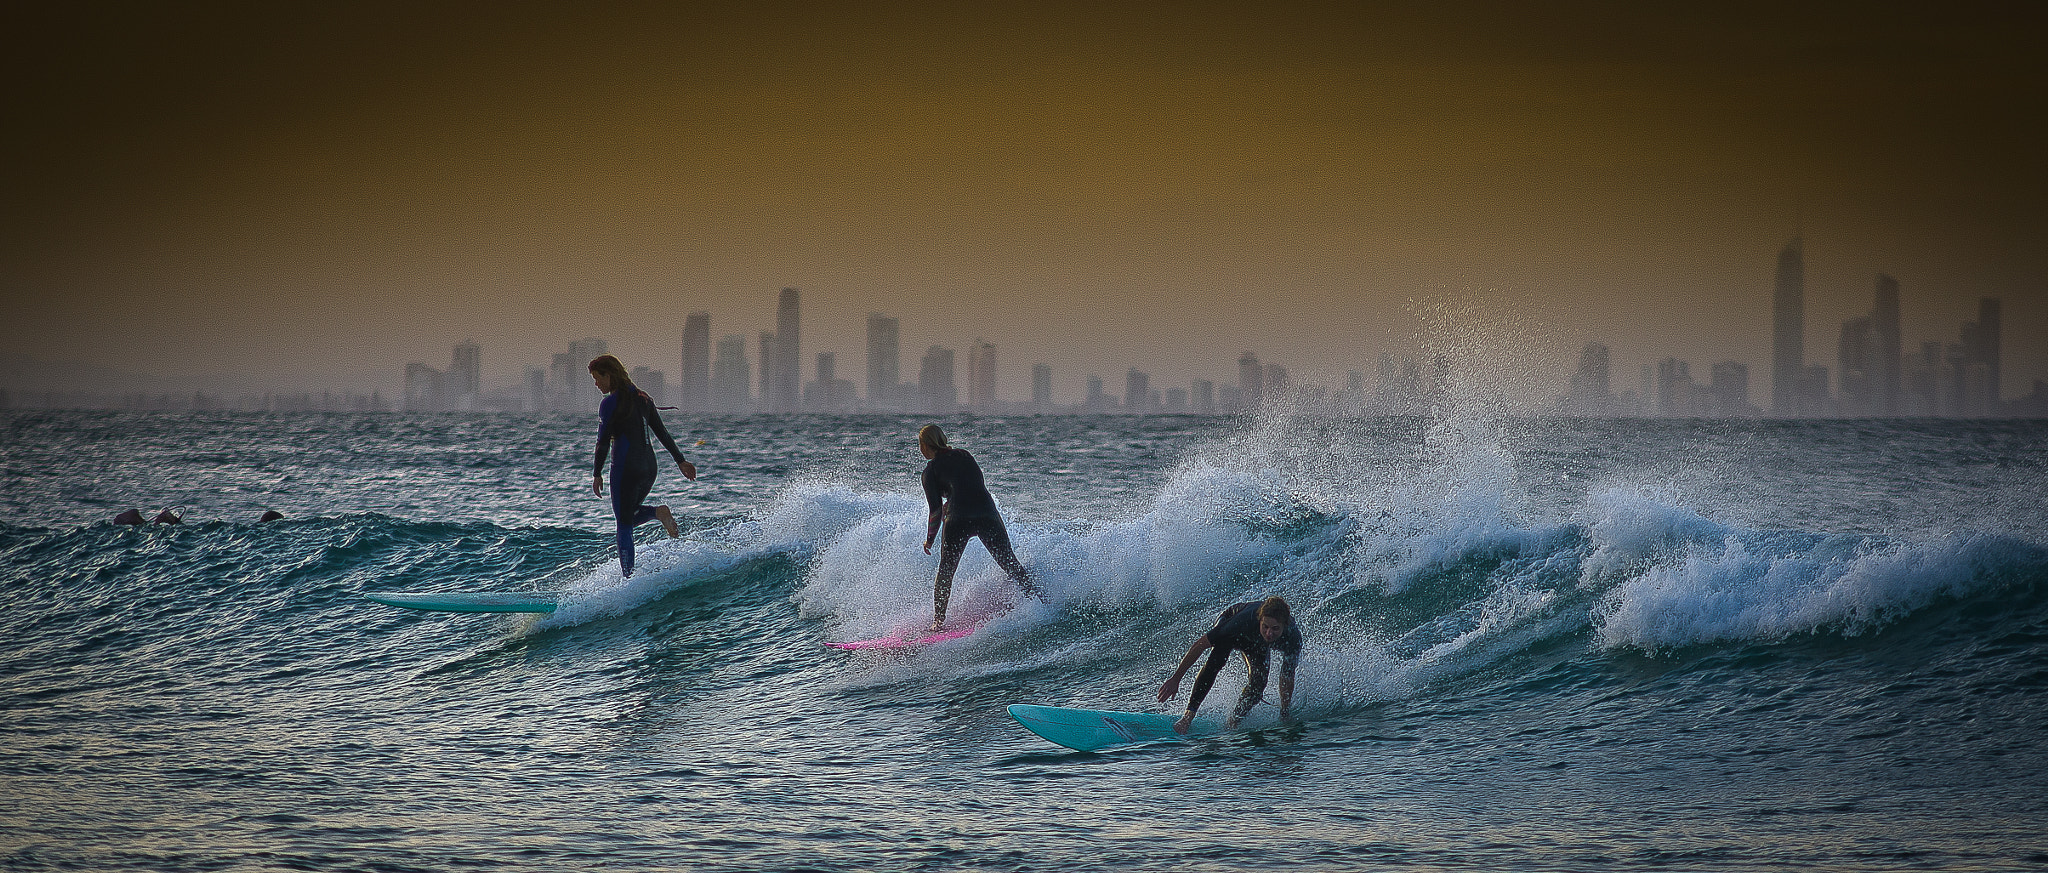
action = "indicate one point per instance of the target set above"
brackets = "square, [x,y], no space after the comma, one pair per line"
[958,497]
[623,420]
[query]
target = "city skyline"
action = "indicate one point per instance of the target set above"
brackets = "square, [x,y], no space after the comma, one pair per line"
[272,200]
[1876,376]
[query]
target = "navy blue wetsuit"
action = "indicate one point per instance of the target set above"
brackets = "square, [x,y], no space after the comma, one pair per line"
[622,432]
[953,486]
[1238,628]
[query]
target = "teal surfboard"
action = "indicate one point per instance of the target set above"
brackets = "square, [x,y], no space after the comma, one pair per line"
[466,601]
[1087,730]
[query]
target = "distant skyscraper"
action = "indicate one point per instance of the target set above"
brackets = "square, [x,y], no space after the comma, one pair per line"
[1978,366]
[935,389]
[1251,380]
[1730,388]
[829,393]
[1591,392]
[1097,400]
[1041,387]
[1203,397]
[536,399]
[768,358]
[1788,329]
[696,373]
[1813,399]
[1855,360]
[788,351]
[883,360]
[1675,388]
[1137,391]
[730,376]
[465,373]
[423,388]
[1885,372]
[571,373]
[981,375]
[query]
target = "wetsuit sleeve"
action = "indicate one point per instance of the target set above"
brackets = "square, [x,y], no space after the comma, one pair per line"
[934,487]
[604,432]
[661,431]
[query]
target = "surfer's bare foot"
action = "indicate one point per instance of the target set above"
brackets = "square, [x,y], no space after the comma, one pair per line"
[1181,727]
[668,521]
[936,623]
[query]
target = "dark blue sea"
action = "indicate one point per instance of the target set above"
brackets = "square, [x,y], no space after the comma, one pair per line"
[1560,645]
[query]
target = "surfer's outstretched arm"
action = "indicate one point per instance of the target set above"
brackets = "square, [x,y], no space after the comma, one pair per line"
[1172,687]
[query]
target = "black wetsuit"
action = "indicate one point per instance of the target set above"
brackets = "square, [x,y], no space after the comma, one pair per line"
[622,432]
[1238,629]
[953,487]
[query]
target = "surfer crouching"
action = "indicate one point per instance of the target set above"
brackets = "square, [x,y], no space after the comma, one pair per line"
[1255,628]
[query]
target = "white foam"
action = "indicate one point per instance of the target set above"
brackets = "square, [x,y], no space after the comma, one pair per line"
[1737,590]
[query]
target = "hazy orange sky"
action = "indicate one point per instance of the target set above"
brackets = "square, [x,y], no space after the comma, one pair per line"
[308,200]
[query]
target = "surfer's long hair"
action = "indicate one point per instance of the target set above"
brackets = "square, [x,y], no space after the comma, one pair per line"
[614,372]
[629,395]
[931,437]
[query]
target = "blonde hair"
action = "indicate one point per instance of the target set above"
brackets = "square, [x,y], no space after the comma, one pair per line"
[931,437]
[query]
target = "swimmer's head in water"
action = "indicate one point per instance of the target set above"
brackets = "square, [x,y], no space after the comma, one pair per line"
[931,439]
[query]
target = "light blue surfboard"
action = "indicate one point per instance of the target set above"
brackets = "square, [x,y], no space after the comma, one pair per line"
[1087,730]
[466,601]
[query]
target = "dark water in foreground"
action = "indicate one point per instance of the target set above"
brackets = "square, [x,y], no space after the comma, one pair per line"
[1576,646]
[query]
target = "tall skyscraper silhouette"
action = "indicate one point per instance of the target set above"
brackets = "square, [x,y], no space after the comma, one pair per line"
[884,361]
[1591,392]
[696,373]
[1855,367]
[981,375]
[1041,387]
[465,374]
[768,357]
[788,376]
[730,376]
[1788,329]
[1884,373]
[1977,369]
[935,389]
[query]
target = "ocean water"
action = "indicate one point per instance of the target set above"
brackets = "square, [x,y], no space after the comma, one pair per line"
[1531,645]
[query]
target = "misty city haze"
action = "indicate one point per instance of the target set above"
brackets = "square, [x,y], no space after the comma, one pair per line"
[248,200]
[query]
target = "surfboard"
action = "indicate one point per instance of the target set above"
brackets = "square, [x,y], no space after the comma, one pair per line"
[968,619]
[466,601]
[1088,730]
[908,639]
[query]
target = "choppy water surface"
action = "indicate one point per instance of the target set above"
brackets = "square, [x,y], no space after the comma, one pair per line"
[1532,645]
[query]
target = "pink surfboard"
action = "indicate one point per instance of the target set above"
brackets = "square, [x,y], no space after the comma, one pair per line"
[967,620]
[907,639]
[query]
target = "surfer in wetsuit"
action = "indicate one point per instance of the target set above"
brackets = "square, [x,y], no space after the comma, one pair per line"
[623,420]
[1255,628]
[958,497]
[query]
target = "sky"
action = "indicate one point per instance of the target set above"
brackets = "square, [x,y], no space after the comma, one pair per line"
[309,196]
